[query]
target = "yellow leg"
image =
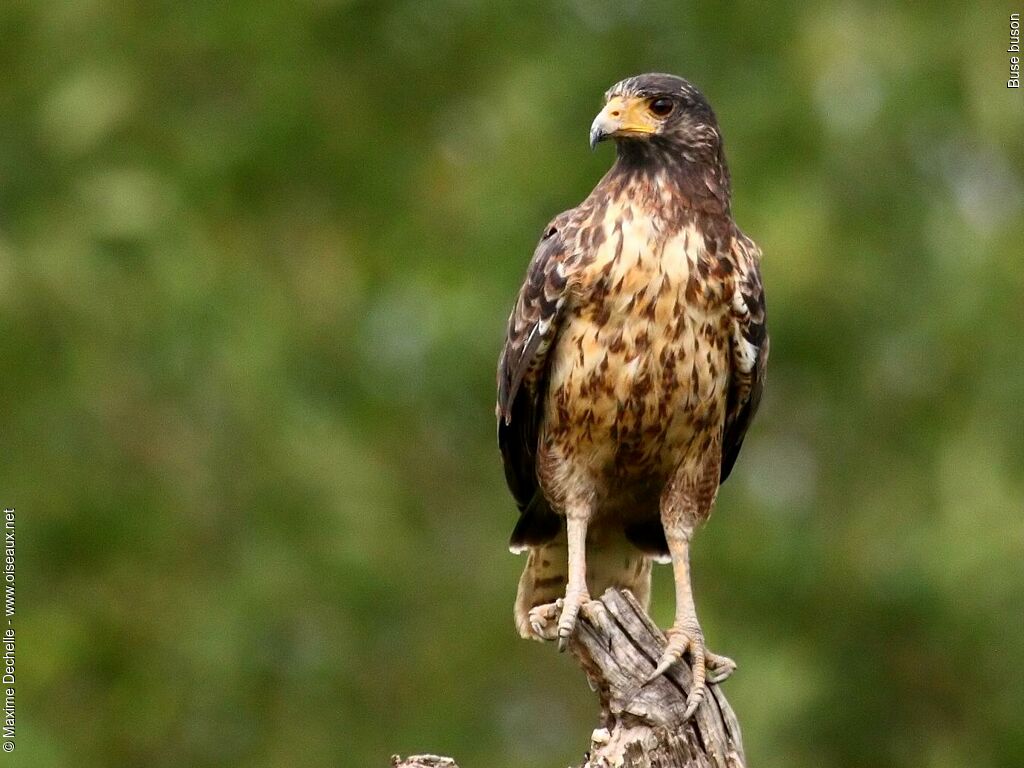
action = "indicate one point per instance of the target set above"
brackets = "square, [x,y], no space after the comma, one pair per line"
[686,634]
[576,590]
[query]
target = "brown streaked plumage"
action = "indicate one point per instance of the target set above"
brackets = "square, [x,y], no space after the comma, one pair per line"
[633,365]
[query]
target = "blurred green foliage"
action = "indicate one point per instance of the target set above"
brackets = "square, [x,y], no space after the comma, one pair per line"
[255,264]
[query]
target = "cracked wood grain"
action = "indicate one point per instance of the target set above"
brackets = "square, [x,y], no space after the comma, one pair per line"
[641,726]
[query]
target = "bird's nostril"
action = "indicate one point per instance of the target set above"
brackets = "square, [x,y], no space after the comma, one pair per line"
[615,113]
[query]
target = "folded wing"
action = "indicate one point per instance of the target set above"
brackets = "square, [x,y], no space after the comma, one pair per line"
[522,376]
[749,347]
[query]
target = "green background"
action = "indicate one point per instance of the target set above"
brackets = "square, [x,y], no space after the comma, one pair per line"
[255,264]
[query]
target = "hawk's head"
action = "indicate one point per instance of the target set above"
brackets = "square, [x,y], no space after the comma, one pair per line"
[658,112]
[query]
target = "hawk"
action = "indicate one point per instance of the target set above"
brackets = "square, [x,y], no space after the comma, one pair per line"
[633,366]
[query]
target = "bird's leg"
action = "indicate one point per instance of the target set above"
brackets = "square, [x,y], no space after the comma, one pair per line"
[686,634]
[576,590]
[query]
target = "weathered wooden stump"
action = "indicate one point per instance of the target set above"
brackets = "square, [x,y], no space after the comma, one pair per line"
[641,726]
[422,761]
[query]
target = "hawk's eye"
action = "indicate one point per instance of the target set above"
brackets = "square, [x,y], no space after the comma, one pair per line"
[661,107]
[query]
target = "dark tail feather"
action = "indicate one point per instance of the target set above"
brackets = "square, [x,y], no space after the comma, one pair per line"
[649,536]
[537,525]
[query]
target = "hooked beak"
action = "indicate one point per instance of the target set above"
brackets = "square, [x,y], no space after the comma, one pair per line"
[599,131]
[622,117]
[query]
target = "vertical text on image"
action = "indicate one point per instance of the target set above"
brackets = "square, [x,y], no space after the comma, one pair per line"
[1014,51]
[7,638]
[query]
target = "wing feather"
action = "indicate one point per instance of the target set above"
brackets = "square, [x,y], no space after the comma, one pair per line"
[522,373]
[749,348]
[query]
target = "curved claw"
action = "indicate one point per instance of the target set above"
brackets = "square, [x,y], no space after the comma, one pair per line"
[706,667]
[678,643]
[694,700]
[542,620]
[567,621]
[659,670]
[719,667]
[695,697]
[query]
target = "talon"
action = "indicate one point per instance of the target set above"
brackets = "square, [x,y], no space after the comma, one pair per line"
[659,670]
[542,617]
[706,667]
[566,626]
[678,642]
[567,621]
[714,678]
[719,667]
[693,701]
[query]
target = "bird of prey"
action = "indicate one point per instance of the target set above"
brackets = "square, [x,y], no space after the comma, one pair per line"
[633,366]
